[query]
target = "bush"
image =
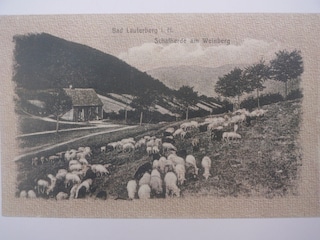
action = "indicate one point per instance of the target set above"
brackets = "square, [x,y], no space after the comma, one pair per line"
[295,94]
[251,102]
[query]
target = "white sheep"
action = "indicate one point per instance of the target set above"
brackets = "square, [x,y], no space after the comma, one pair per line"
[170,130]
[23,194]
[43,159]
[170,180]
[149,150]
[103,149]
[162,164]
[52,185]
[73,162]
[72,178]
[34,161]
[190,159]
[155,164]
[83,161]
[99,169]
[156,182]
[155,149]
[53,158]
[227,136]
[75,167]
[131,189]
[206,164]
[86,183]
[168,147]
[144,191]
[42,185]
[62,196]
[31,194]
[128,147]
[177,160]
[180,171]
[145,179]
[73,191]
[61,174]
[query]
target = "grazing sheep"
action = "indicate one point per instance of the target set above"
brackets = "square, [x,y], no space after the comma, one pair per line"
[206,164]
[53,181]
[131,189]
[99,170]
[71,178]
[227,136]
[162,164]
[144,191]
[75,167]
[172,189]
[168,147]
[169,166]
[42,185]
[146,167]
[62,196]
[73,162]
[34,161]
[23,194]
[103,149]
[73,191]
[128,147]
[170,130]
[87,183]
[180,170]
[190,159]
[145,179]
[195,142]
[155,164]
[156,182]
[31,194]
[149,150]
[54,158]
[43,159]
[83,161]
[61,174]
[177,160]
[155,149]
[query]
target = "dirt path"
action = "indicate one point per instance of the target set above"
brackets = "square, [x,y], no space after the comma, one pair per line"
[70,141]
[70,129]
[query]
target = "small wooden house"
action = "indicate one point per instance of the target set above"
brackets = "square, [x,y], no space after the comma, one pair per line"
[86,104]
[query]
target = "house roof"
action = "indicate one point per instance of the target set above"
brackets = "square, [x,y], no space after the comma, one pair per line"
[83,97]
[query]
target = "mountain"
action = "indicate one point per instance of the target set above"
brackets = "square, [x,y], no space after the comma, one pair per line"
[43,61]
[203,79]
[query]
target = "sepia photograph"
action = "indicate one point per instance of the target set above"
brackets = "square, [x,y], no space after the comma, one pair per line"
[182,115]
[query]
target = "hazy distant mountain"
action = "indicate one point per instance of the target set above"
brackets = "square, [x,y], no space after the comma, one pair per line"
[203,79]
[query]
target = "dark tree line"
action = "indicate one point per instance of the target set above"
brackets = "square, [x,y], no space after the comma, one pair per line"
[285,67]
[43,61]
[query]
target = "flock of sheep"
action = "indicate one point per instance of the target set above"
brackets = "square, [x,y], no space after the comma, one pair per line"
[162,176]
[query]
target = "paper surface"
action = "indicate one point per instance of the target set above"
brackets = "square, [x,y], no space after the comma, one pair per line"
[170,42]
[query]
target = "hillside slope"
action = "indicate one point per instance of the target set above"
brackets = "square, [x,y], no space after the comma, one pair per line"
[44,61]
[266,162]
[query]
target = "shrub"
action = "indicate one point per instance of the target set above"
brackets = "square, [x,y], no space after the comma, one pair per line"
[295,94]
[266,99]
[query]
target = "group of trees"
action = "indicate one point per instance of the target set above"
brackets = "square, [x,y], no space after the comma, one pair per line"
[285,67]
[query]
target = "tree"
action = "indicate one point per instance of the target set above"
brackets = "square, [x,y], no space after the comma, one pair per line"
[286,67]
[255,75]
[188,97]
[232,84]
[143,102]
[58,104]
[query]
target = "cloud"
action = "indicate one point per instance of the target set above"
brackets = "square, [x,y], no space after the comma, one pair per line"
[150,55]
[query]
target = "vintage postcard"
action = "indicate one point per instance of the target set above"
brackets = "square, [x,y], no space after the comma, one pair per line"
[160,115]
